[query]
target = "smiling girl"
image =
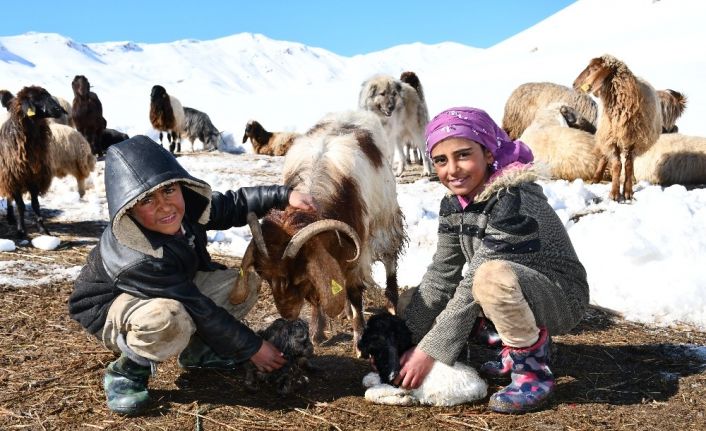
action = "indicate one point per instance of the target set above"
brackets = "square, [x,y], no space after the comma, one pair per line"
[523,274]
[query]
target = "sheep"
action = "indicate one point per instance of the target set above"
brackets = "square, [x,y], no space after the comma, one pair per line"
[525,100]
[673,104]
[24,141]
[268,143]
[167,115]
[302,254]
[385,338]
[631,121]
[110,137]
[567,153]
[412,154]
[87,112]
[403,115]
[291,337]
[197,124]
[673,159]
[70,153]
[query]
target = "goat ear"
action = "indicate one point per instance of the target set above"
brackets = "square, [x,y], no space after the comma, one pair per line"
[28,108]
[245,137]
[241,288]
[326,276]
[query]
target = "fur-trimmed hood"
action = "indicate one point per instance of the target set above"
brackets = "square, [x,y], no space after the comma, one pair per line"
[136,167]
[510,176]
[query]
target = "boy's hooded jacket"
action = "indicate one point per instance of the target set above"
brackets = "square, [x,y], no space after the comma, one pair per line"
[148,264]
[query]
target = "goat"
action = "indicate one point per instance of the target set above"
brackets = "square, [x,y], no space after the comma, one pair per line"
[673,104]
[167,115]
[403,115]
[567,153]
[268,143]
[291,337]
[24,141]
[528,98]
[301,253]
[70,154]
[198,125]
[87,112]
[386,338]
[631,121]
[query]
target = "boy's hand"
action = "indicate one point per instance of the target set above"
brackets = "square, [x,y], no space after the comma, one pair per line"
[303,201]
[415,366]
[268,358]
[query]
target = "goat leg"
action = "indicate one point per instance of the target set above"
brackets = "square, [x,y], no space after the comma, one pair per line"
[627,184]
[318,320]
[391,287]
[20,222]
[615,168]
[37,214]
[355,296]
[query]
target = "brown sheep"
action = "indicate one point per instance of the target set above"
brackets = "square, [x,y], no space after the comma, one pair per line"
[325,257]
[631,121]
[87,112]
[268,143]
[673,104]
[24,142]
[528,98]
[167,115]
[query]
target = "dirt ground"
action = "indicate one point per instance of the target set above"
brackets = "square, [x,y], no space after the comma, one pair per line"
[611,374]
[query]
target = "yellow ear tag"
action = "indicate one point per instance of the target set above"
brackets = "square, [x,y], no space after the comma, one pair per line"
[586,87]
[335,287]
[241,273]
[30,112]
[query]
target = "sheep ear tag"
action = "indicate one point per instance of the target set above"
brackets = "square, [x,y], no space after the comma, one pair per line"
[31,112]
[335,287]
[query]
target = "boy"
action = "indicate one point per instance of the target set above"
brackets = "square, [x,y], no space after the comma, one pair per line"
[149,289]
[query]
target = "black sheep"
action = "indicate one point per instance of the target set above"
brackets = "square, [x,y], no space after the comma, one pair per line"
[87,112]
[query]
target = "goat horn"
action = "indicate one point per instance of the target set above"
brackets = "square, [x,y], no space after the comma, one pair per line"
[256,230]
[304,235]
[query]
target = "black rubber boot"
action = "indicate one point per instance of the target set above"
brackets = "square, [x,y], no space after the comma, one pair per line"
[125,385]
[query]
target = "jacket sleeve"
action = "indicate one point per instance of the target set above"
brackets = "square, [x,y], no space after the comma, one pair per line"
[232,207]
[439,295]
[227,336]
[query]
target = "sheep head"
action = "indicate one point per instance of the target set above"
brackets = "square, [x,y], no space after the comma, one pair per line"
[35,103]
[302,258]
[593,77]
[81,86]
[385,338]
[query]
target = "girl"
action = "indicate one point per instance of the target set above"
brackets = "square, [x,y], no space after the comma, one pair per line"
[523,273]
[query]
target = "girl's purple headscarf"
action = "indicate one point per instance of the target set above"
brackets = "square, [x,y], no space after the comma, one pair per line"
[476,125]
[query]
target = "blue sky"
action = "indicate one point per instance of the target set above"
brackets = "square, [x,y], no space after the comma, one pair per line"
[344,27]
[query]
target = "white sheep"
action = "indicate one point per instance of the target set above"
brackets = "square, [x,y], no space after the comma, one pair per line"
[673,159]
[528,98]
[70,154]
[564,152]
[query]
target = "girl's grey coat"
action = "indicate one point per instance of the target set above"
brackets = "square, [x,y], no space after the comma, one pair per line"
[511,221]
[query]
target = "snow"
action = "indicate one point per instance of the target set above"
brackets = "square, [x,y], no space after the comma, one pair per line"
[643,259]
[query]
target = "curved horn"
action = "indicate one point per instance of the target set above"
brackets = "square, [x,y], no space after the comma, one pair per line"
[256,230]
[304,235]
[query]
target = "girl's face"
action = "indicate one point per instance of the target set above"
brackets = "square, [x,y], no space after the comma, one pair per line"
[462,165]
[162,210]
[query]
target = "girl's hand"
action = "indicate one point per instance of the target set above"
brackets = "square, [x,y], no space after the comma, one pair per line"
[415,366]
[268,358]
[303,201]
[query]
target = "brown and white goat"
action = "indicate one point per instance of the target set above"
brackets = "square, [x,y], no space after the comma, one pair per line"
[325,256]
[268,143]
[631,120]
[167,115]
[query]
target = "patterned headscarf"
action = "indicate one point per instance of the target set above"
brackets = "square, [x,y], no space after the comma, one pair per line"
[476,125]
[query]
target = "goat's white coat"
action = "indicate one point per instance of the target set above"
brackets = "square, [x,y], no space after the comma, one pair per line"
[444,386]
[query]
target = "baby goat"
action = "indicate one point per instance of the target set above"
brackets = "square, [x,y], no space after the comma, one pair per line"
[291,337]
[386,338]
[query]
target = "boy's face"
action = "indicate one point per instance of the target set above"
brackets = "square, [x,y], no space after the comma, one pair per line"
[162,210]
[462,165]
